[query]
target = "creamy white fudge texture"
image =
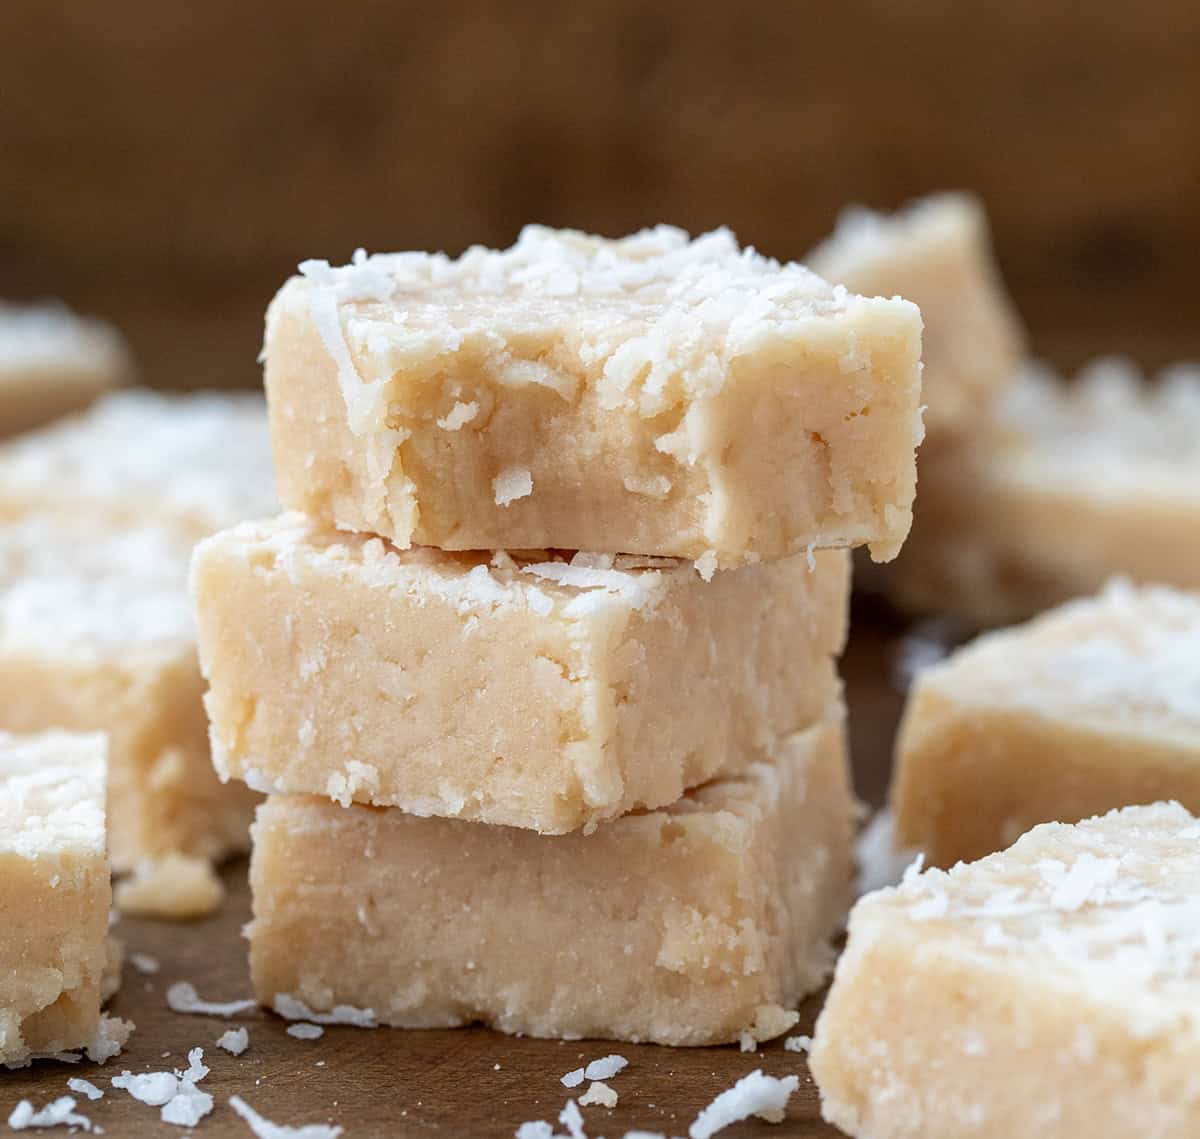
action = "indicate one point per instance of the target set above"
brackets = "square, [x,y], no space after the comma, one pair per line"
[1051,990]
[54,893]
[686,925]
[1092,706]
[526,690]
[652,395]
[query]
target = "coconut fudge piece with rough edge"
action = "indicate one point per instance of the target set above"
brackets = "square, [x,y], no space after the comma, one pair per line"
[1068,484]
[686,925]
[53,362]
[1050,990]
[651,395]
[54,893]
[96,633]
[937,253]
[520,690]
[196,462]
[1090,707]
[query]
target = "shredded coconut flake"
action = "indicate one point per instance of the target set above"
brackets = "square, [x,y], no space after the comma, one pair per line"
[144,963]
[511,484]
[599,1094]
[306,1031]
[880,863]
[182,997]
[235,1041]
[85,1087]
[265,1129]
[572,1120]
[755,1094]
[573,1078]
[797,1044]
[746,1042]
[60,1113]
[290,1008]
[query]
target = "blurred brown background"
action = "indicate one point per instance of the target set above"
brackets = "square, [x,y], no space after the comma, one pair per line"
[166,165]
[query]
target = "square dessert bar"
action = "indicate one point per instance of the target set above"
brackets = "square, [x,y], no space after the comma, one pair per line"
[520,689]
[54,893]
[652,395]
[936,252]
[685,925]
[1090,707]
[53,362]
[1069,484]
[96,633]
[196,462]
[1052,990]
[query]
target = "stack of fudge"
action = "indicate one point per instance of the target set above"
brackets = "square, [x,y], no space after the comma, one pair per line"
[539,671]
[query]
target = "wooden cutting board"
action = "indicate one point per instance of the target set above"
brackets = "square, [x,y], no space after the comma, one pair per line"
[464,1082]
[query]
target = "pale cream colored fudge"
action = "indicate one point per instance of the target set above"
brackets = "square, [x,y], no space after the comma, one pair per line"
[1069,485]
[525,691]
[96,633]
[196,462]
[685,925]
[652,395]
[53,362]
[1090,707]
[1052,990]
[54,893]
[937,253]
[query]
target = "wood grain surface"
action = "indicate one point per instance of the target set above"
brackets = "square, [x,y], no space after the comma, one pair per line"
[471,1082]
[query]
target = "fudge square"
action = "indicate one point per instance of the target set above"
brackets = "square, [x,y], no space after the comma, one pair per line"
[54,893]
[685,925]
[197,463]
[1052,990]
[1090,707]
[1066,485]
[651,395]
[96,633]
[937,253]
[521,689]
[53,362]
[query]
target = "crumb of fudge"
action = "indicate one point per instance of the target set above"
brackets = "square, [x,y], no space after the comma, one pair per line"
[599,1094]
[173,886]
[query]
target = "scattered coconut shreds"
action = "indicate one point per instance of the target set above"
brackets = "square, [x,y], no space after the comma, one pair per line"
[182,997]
[265,1129]
[144,963]
[746,1042]
[85,1087]
[182,1103]
[235,1041]
[797,1043]
[305,1031]
[755,1094]
[599,1094]
[59,1113]
[572,1120]
[535,1129]
[602,1069]
[292,1009]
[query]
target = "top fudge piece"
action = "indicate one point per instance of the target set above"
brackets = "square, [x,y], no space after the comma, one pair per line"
[1052,990]
[197,463]
[651,395]
[54,893]
[936,253]
[52,362]
[1091,707]
[1069,484]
